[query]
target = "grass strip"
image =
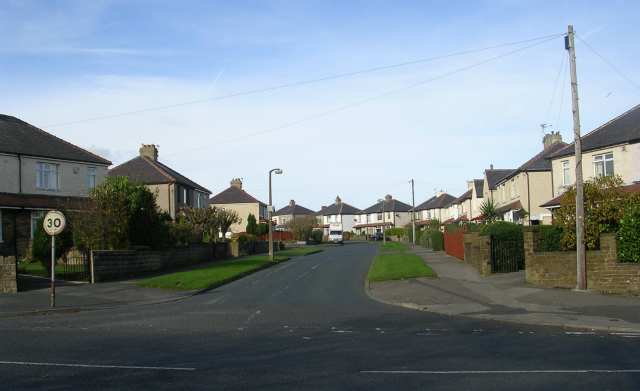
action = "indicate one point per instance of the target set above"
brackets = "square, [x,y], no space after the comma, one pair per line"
[394,263]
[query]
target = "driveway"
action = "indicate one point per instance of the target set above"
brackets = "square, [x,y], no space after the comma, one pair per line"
[304,324]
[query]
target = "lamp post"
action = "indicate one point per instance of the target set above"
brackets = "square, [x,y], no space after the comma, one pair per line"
[278,171]
[384,236]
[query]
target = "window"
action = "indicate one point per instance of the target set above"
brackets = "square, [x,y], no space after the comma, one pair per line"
[603,165]
[379,216]
[36,216]
[566,176]
[388,215]
[91,177]
[184,195]
[47,176]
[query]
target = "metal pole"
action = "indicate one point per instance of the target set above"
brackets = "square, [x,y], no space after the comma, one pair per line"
[270,225]
[413,214]
[52,297]
[580,250]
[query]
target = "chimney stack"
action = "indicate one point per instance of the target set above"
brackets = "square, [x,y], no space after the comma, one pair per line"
[149,151]
[338,200]
[388,198]
[491,167]
[237,183]
[292,203]
[551,138]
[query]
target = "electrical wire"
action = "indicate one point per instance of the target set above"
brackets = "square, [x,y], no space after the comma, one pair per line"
[555,86]
[301,83]
[609,63]
[371,98]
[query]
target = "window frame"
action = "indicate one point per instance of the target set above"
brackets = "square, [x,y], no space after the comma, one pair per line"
[566,172]
[40,214]
[92,173]
[603,158]
[43,176]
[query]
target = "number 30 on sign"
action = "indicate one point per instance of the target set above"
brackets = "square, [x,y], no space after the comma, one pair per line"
[54,222]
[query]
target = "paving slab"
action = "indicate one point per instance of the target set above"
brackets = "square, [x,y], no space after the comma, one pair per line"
[461,290]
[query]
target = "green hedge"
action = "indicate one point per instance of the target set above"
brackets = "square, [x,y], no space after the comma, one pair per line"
[437,240]
[502,230]
[629,234]
[549,238]
[399,232]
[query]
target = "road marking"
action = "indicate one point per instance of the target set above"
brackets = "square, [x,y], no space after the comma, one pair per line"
[505,372]
[579,333]
[51,364]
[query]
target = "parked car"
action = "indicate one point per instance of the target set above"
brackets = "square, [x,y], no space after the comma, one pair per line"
[376,236]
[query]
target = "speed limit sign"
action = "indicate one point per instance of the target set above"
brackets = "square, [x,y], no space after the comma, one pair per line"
[54,222]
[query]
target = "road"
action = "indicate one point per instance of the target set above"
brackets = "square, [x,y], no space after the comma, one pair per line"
[304,324]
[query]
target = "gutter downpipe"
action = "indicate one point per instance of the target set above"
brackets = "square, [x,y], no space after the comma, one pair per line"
[528,198]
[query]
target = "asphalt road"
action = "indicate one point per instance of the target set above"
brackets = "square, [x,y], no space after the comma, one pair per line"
[304,324]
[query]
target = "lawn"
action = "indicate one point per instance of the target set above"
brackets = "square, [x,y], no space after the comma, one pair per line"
[37,269]
[393,262]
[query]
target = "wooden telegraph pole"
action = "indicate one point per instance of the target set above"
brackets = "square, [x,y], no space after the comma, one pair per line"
[580,250]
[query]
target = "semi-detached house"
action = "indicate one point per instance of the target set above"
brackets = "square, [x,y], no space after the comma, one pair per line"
[435,208]
[388,213]
[39,172]
[235,198]
[340,213]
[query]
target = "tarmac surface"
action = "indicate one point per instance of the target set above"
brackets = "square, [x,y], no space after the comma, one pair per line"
[304,324]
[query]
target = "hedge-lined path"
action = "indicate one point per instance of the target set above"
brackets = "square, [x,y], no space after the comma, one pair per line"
[460,290]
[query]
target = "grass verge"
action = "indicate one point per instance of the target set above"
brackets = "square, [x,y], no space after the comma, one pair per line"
[393,262]
[221,272]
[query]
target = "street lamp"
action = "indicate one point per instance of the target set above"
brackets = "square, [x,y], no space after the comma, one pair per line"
[384,236]
[278,171]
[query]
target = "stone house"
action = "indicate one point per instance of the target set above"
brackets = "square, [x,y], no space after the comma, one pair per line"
[236,199]
[612,148]
[519,194]
[284,215]
[172,189]
[388,213]
[39,172]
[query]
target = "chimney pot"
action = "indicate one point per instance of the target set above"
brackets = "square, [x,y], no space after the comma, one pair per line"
[149,151]
[551,138]
[338,200]
[237,183]
[491,166]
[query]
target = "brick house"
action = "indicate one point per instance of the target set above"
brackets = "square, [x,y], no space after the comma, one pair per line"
[39,172]
[172,189]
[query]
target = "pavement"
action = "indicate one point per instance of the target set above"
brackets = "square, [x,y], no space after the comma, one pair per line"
[306,324]
[460,290]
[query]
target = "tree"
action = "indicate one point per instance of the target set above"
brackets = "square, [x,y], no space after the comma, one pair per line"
[263,229]
[301,227]
[204,222]
[252,226]
[226,218]
[488,210]
[604,203]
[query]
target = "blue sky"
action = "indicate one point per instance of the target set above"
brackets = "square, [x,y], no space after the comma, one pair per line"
[64,61]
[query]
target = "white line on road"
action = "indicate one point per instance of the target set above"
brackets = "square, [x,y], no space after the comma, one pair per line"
[505,372]
[51,364]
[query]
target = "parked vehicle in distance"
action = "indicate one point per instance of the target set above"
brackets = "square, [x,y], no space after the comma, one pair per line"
[335,233]
[376,236]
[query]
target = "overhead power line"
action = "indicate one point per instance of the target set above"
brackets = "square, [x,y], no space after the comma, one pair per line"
[372,98]
[609,63]
[302,82]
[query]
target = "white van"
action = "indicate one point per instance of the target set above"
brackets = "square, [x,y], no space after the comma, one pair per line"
[335,233]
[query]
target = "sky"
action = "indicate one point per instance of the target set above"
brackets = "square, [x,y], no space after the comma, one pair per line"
[66,65]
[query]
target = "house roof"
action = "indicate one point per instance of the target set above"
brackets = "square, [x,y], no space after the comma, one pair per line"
[555,202]
[43,201]
[463,197]
[623,129]
[19,137]
[515,205]
[479,185]
[437,202]
[494,176]
[294,209]
[234,195]
[147,171]
[340,208]
[390,205]
[540,162]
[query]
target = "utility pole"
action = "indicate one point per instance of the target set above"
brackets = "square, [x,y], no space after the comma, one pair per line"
[580,250]
[413,214]
[270,213]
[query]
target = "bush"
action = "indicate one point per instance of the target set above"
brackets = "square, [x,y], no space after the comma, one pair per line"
[629,234]
[252,226]
[503,230]
[549,238]
[399,232]
[437,240]
[316,236]
[247,243]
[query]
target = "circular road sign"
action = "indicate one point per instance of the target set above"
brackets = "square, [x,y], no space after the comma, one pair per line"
[54,222]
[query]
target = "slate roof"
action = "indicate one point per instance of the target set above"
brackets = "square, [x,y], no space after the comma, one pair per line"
[295,210]
[437,202]
[540,162]
[341,208]
[496,175]
[623,129]
[479,185]
[392,205]
[19,137]
[463,197]
[149,172]
[234,195]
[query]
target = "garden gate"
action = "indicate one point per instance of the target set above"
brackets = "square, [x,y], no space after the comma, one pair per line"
[507,255]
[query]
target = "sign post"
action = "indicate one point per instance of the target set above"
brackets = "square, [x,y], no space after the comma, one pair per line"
[53,224]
